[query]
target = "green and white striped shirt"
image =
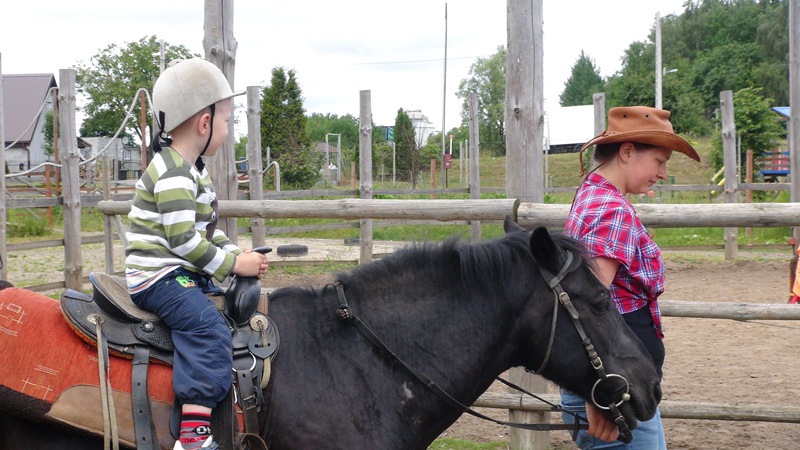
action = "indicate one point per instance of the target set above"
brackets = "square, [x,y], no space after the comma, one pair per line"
[171,213]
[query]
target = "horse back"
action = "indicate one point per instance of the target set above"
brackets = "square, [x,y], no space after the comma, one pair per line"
[54,367]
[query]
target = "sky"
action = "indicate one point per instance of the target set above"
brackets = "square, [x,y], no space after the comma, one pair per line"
[396,50]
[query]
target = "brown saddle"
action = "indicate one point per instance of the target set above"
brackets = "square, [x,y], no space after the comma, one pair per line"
[110,321]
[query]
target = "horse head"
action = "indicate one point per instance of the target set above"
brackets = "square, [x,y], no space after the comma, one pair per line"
[587,347]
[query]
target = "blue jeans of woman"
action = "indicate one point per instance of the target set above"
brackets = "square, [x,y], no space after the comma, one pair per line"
[648,435]
[203,364]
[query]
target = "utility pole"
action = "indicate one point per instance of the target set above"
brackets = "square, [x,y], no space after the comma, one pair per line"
[444,89]
[659,70]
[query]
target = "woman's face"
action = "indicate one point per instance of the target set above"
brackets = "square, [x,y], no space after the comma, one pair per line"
[645,167]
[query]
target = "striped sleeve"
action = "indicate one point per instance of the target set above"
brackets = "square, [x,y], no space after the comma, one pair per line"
[169,217]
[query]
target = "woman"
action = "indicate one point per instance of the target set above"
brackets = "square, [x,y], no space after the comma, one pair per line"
[630,157]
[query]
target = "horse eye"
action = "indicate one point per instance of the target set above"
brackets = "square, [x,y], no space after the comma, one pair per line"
[603,302]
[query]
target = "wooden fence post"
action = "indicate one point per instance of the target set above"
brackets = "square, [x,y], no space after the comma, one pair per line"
[254,159]
[220,48]
[70,158]
[3,221]
[474,163]
[731,234]
[365,172]
[433,176]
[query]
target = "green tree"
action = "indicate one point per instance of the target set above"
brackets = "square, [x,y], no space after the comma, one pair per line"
[487,78]
[47,129]
[714,45]
[407,150]
[110,81]
[318,125]
[756,124]
[583,82]
[283,130]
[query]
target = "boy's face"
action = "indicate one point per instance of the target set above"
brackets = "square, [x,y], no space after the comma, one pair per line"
[222,118]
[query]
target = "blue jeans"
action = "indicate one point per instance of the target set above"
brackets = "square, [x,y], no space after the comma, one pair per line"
[202,370]
[648,435]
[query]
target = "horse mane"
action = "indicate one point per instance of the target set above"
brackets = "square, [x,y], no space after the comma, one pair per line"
[472,264]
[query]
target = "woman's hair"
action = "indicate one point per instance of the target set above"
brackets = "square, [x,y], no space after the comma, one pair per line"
[604,152]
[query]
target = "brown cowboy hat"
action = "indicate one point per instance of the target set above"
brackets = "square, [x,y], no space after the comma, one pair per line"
[643,125]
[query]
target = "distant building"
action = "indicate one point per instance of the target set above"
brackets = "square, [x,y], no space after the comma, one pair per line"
[423,127]
[26,102]
[567,128]
[127,160]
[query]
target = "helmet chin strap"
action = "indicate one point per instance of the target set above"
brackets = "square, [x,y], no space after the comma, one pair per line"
[199,163]
[158,137]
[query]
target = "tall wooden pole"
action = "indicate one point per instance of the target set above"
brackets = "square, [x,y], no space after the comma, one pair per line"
[365,171]
[524,113]
[70,158]
[220,48]
[659,67]
[794,103]
[524,123]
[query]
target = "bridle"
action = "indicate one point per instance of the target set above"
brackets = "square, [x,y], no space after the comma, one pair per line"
[561,297]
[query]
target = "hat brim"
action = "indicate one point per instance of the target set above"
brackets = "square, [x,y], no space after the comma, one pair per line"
[650,137]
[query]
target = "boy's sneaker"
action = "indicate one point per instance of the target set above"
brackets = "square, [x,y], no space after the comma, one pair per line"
[209,444]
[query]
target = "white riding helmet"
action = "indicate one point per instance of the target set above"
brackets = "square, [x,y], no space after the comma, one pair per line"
[185,89]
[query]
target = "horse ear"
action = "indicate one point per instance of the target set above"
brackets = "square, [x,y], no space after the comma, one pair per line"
[509,225]
[543,248]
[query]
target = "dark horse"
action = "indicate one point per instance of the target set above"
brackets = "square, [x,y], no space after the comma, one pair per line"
[459,313]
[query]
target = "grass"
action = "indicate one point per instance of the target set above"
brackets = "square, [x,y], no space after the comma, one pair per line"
[562,170]
[459,444]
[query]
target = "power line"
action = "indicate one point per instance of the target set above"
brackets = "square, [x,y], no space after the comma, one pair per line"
[413,61]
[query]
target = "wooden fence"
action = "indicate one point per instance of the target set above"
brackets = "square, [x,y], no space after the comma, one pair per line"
[534,214]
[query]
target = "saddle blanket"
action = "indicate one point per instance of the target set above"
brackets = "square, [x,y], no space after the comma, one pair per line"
[44,359]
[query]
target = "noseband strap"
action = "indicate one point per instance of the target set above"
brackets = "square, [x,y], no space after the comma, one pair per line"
[562,297]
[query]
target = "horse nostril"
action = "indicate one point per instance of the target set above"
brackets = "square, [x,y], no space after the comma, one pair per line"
[657,391]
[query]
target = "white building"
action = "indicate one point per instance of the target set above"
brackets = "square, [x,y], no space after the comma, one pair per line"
[423,127]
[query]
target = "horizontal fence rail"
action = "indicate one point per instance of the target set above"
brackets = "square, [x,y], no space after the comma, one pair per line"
[675,409]
[672,409]
[527,214]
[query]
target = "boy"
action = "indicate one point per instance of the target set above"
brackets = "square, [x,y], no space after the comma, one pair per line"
[174,247]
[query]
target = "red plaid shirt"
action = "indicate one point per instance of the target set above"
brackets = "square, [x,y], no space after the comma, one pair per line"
[607,225]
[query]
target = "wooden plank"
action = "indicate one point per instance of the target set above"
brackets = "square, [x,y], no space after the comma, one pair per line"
[678,215]
[733,311]
[670,409]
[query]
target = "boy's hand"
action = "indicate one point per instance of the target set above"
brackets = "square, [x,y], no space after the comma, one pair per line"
[250,264]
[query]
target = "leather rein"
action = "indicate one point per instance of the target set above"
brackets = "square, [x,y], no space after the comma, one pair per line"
[561,297]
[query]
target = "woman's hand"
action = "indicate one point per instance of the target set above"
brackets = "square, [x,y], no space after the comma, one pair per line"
[600,426]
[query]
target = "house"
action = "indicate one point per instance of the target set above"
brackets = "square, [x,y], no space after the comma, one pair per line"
[127,159]
[567,128]
[26,102]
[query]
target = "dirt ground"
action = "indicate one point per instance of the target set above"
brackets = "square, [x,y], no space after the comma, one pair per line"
[708,360]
